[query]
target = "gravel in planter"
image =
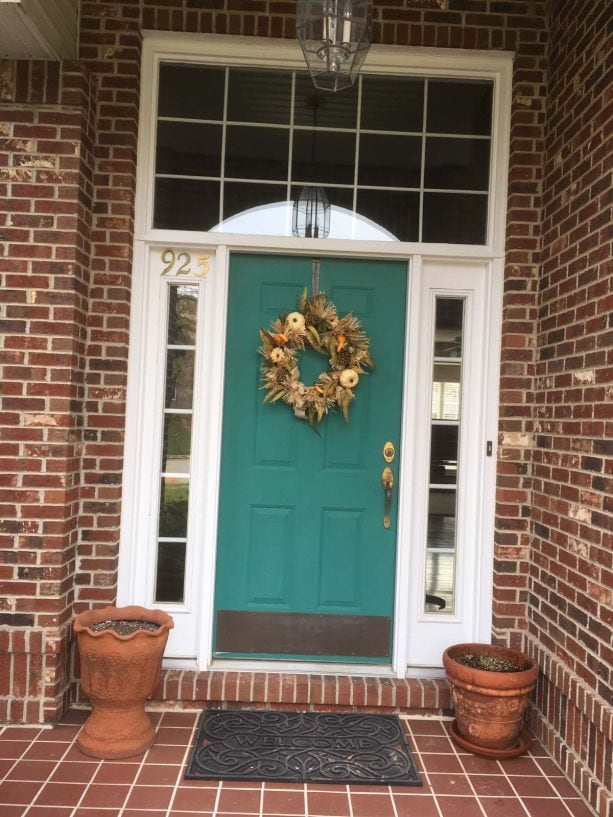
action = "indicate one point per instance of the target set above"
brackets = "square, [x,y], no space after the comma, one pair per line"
[491,663]
[124,626]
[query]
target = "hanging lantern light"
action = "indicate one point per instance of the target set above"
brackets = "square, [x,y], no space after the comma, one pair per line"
[334,36]
[311,213]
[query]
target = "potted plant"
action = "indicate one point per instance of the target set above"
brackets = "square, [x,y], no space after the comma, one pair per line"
[490,691]
[121,650]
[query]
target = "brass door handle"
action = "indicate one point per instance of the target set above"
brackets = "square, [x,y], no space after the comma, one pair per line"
[387,480]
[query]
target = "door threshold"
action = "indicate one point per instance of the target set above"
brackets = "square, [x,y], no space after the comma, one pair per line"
[302,667]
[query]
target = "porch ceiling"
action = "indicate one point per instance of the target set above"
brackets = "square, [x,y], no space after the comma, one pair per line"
[38,29]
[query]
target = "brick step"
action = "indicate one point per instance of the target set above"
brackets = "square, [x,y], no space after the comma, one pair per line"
[187,689]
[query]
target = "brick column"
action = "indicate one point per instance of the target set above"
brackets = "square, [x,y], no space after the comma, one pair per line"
[45,213]
[110,46]
[571,568]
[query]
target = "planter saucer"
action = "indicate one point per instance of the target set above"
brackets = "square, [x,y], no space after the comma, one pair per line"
[522,745]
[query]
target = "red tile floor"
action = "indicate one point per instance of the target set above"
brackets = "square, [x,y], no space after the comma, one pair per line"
[44,774]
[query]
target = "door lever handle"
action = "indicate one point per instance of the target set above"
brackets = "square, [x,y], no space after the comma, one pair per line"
[387,481]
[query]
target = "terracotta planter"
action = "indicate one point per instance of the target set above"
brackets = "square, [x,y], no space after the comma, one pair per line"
[490,706]
[118,674]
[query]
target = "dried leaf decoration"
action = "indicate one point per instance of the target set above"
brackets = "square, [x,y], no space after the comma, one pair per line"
[340,339]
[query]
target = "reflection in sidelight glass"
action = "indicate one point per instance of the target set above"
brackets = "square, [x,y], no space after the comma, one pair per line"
[446,391]
[176,443]
[445,428]
[170,574]
[174,496]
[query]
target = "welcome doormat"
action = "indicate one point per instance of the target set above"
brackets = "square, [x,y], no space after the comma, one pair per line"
[303,747]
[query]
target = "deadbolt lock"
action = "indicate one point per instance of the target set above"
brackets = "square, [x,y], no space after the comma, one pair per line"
[389,452]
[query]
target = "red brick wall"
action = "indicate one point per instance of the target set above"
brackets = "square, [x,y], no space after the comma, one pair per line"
[110,47]
[46,138]
[62,502]
[571,557]
[110,51]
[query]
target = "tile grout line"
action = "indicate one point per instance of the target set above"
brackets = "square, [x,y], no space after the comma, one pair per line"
[183,765]
[470,783]
[535,771]
[122,808]
[349,800]
[424,770]
[215,810]
[18,760]
[558,795]
[393,800]
[517,795]
[70,745]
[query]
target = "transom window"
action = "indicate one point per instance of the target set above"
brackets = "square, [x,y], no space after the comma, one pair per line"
[400,158]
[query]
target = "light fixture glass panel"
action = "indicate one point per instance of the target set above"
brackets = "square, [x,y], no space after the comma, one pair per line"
[311,213]
[337,196]
[328,110]
[334,36]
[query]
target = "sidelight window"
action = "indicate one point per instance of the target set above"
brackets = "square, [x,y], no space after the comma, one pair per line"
[444,455]
[176,443]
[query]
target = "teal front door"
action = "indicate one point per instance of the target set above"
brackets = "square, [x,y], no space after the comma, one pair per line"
[305,566]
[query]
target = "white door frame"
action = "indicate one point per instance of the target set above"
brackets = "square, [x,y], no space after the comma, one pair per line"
[139,508]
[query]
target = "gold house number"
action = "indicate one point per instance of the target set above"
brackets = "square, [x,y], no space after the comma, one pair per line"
[181,264]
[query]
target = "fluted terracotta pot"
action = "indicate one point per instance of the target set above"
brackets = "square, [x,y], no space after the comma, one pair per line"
[118,674]
[490,706]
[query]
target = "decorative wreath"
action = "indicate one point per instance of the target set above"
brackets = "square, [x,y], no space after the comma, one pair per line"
[341,340]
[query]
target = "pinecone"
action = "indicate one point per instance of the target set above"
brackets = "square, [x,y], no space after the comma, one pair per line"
[343,359]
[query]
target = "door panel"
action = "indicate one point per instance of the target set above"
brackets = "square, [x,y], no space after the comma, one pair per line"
[304,563]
